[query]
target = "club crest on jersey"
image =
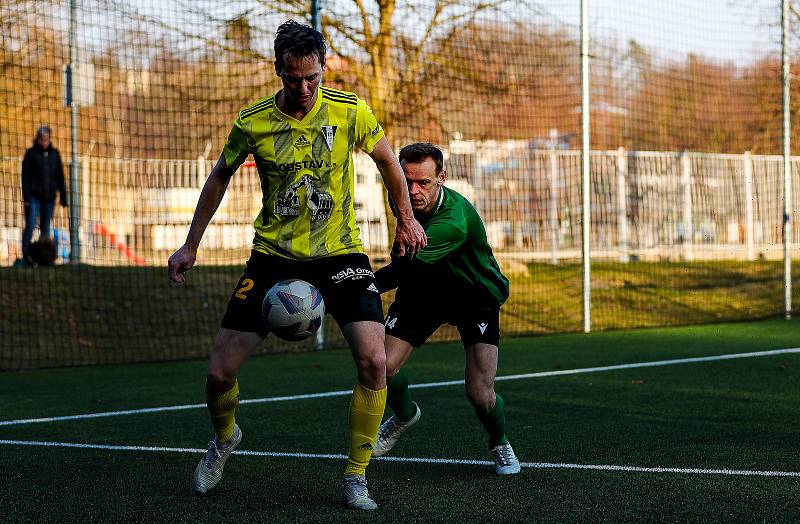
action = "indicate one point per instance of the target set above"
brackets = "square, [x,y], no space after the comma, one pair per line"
[329,132]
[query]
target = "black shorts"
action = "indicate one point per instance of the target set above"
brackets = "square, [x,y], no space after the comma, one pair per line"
[346,282]
[415,320]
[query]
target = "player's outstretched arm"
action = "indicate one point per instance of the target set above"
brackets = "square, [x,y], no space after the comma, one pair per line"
[210,197]
[409,235]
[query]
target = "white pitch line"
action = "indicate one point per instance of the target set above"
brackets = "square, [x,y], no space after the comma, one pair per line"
[423,460]
[344,392]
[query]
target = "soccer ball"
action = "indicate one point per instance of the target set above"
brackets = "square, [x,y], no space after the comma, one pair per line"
[293,309]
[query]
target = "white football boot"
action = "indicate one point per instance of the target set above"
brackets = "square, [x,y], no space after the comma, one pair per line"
[208,472]
[390,432]
[505,460]
[355,494]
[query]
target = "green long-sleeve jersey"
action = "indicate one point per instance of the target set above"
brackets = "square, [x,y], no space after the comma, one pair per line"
[456,265]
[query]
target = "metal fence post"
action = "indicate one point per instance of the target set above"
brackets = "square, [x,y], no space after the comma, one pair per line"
[586,215]
[748,206]
[554,226]
[787,160]
[74,174]
[622,204]
[686,208]
[201,174]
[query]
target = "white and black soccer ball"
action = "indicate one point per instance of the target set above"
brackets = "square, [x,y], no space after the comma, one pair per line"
[293,309]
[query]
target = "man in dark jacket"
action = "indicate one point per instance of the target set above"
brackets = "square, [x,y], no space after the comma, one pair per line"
[42,176]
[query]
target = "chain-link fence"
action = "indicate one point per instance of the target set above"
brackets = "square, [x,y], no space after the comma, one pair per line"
[686,173]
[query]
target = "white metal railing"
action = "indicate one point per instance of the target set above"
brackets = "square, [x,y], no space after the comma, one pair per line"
[645,205]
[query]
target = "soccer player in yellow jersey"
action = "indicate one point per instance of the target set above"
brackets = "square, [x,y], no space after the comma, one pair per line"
[302,139]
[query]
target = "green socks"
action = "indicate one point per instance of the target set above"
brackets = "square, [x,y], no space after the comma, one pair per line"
[495,423]
[399,398]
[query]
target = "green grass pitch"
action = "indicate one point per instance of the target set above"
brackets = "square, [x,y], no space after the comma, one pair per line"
[571,430]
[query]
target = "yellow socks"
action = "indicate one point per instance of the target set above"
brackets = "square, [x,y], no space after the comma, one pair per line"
[222,409]
[366,412]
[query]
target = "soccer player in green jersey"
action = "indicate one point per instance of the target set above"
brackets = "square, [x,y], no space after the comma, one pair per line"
[455,279]
[302,139]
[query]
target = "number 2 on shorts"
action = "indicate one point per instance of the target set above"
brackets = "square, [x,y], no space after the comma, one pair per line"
[247,285]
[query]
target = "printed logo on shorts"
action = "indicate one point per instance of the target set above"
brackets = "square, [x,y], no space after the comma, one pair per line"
[352,274]
[482,326]
[372,287]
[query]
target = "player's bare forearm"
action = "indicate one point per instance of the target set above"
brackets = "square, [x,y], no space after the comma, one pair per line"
[208,203]
[393,179]
[210,197]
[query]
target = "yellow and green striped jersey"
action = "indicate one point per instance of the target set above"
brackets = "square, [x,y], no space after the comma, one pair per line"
[306,172]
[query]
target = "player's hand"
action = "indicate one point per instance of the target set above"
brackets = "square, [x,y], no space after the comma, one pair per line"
[180,262]
[410,237]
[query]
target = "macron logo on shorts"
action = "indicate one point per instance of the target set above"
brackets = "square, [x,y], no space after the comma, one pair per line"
[482,326]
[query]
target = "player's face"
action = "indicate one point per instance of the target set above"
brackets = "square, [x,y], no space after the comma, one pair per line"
[423,184]
[301,78]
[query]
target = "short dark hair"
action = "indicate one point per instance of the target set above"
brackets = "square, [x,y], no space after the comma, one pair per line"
[421,151]
[298,40]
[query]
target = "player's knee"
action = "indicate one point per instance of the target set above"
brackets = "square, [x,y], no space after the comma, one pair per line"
[377,363]
[373,364]
[482,399]
[219,374]
[218,380]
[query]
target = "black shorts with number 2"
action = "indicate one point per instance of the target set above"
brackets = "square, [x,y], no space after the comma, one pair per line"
[346,282]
